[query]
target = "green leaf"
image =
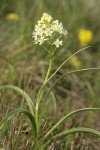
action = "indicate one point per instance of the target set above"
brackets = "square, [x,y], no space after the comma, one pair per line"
[72,131]
[78,129]
[22,93]
[69,116]
[4,130]
[19,110]
[68,73]
[51,102]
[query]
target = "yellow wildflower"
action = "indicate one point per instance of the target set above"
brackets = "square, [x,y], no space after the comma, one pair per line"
[75,61]
[85,37]
[12,16]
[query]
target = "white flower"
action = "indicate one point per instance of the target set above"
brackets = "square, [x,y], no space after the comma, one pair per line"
[57,43]
[48,32]
[41,40]
[36,42]
[54,25]
[59,28]
[47,29]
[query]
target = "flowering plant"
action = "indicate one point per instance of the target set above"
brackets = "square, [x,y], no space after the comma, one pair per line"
[51,32]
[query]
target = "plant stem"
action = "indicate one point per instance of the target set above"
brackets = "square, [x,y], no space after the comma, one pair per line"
[41,93]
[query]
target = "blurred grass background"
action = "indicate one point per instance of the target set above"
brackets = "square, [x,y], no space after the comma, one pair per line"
[24,64]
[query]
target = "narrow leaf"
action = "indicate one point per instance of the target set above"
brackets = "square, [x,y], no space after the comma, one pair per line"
[69,116]
[78,129]
[19,110]
[22,93]
[68,73]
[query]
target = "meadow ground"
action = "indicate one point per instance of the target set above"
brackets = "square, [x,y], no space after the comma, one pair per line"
[24,65]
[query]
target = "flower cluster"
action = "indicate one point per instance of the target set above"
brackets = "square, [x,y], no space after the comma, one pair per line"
[48,30]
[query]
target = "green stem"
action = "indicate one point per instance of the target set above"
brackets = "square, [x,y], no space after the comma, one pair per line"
[41,93]
[49,68]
